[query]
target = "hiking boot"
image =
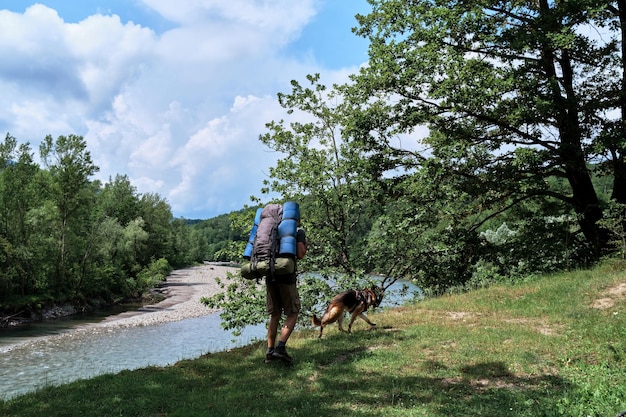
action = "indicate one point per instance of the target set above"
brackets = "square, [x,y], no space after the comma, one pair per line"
[269,356]
[281,353]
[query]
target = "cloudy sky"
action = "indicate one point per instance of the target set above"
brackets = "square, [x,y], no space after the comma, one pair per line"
[173,94]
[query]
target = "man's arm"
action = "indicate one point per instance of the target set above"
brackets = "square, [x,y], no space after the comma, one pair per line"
[301,244]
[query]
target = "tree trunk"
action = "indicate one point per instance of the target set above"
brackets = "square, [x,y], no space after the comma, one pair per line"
[584,196]
[619,165]
[572,156]
[619,181]
[587,207]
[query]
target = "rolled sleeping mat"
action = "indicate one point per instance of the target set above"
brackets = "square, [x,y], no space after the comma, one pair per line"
[282,266]
[287,246]
[287,230]
[291,210]
[247,253]
[287,227]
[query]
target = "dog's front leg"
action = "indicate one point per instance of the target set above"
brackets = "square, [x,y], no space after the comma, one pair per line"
[364,317]
[355,313]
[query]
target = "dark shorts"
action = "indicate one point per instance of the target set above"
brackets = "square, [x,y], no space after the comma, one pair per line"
[282,298]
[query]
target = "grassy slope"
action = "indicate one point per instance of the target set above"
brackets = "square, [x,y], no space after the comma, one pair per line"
[534,349]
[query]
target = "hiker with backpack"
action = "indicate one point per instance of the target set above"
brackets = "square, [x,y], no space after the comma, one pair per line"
[282,295]
[276,242]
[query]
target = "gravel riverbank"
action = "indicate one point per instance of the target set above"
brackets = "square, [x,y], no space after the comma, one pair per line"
[183,290]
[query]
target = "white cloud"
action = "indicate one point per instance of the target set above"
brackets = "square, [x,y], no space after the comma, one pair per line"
[225,155]
[179,111]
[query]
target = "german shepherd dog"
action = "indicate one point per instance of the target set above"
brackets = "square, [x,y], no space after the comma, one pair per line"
[356,302]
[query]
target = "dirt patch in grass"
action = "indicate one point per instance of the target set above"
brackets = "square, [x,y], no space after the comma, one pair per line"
[610,296]
[537,325]
[461,315]
[522,383]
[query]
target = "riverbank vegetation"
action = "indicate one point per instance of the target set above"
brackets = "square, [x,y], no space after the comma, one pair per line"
[65,238]
[549,346]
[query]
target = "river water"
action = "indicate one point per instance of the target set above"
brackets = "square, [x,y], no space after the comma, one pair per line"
[85,352]
[51,354]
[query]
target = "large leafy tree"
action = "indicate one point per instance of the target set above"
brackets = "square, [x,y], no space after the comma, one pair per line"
[330,176]
[519,98]
[156,214]
[68,187]
[119,200]
[18,195]
[65,237]
[325,172]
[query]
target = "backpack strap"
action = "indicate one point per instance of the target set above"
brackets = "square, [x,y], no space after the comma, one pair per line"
[275,244]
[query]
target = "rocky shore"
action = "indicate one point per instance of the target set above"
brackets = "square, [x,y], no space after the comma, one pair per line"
[183,290]
[180,294]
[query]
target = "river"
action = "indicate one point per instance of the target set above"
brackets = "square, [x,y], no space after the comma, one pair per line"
[87,352]
[64,351]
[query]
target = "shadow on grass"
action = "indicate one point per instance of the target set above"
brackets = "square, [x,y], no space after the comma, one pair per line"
[374,386]
[333,377]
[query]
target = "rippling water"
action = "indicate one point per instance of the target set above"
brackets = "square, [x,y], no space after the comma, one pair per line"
[88,352]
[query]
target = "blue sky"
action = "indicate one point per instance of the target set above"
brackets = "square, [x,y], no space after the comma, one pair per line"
[172,94]
[75,11]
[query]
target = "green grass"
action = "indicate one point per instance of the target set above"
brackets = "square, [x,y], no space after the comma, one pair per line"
[538,348]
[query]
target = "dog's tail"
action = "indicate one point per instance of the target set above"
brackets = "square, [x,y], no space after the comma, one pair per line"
[316,321]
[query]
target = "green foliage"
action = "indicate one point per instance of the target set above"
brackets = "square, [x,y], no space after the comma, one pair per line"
[245,300]
[513,97]
[19,196]
[66,237]
[153,274]
[615,222]
[157,216]
[329,176]
[69,167]
[119,200]
[223,237]
[242,302]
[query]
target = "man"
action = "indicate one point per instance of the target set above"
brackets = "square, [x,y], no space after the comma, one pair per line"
[282,296]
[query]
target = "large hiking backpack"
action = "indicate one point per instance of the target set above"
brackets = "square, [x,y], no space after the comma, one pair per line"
[271,248]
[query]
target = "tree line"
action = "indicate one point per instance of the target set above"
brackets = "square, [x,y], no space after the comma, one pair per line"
[65,237]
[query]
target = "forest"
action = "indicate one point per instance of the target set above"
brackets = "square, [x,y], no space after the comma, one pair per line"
[67,238]
[484,141]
